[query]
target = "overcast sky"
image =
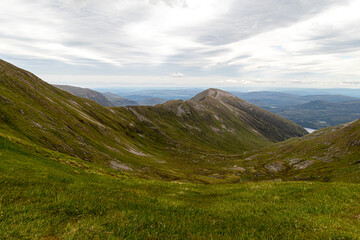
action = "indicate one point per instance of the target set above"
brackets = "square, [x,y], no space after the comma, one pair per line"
[185,43]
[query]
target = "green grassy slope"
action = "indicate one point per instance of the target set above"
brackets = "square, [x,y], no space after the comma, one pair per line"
[175,140]
[331,154]
[48,195]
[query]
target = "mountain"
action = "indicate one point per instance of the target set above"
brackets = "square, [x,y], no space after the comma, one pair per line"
[321,114]
[86,93]
[174,140]
[263,121]
[118,101]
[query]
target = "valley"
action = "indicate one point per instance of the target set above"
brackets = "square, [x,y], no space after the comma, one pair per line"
[213,166]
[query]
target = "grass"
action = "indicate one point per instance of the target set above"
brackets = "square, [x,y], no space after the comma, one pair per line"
[49,195]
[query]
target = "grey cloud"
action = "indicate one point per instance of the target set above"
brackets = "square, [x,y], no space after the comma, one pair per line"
[330,40]
[248,18]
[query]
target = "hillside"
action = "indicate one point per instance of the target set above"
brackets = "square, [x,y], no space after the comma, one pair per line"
[330,154]
[175,140]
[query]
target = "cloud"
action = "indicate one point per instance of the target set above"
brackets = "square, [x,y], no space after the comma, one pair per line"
[177,74]
[267,40]
[247,18]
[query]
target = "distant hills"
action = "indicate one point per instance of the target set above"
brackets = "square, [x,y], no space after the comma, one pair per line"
[86,93]
[311,111]
[272,100]
[108,99]
[319,114]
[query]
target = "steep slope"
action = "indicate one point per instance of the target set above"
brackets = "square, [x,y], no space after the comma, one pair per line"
[330,154]
[86,93]
[175,140]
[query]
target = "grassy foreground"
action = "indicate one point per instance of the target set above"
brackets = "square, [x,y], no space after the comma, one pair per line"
[48,195]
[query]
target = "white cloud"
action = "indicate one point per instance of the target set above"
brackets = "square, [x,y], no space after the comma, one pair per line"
[177,74]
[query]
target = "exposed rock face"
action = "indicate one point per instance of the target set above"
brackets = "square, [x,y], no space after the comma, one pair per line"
[275,167]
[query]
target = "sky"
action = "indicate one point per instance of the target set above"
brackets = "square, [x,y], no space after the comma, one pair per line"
[185,43]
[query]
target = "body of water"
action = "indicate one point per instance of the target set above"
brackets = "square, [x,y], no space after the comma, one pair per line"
[310,130]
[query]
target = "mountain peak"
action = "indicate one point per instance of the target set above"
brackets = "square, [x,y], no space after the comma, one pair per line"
[212,92]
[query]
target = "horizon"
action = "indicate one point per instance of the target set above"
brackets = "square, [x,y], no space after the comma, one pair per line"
[185,43]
